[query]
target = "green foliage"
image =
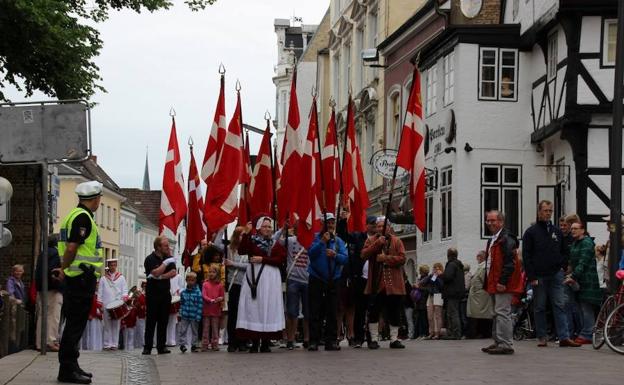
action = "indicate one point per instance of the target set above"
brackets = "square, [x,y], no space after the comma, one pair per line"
[49,45]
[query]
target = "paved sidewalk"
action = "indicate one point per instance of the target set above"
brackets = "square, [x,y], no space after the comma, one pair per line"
[423,362]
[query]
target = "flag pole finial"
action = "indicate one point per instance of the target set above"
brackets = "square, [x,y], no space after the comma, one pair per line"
[314,92]
[221,69]
[332,102]
[267,116]
[190,142]
[172,112]
[238,85]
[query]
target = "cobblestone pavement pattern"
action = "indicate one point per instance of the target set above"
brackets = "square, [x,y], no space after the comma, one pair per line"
[423,362]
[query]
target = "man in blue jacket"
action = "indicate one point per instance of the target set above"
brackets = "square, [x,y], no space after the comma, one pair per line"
[327,256]
[545,255]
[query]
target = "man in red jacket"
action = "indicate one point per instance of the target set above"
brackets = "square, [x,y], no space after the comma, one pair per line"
[503,280]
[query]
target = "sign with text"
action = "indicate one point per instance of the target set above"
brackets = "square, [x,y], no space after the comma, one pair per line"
[383,163]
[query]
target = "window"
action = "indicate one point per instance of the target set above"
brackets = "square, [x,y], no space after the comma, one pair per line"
[372,41]
[552,56]
[347,77]
[446,198]
[395,120]
[501,189]
[449,78]
[282,108]
[498,74]
[102,215]
[109,217]
[432,93]
[609,39]
[359,44]
[428,233]
[337,76]
[114,219]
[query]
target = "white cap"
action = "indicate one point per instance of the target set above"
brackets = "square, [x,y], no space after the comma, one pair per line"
[89,190]
[328,217]
[111,260]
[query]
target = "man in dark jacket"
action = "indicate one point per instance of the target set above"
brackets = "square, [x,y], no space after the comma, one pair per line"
[352,282]
[54,297]
[453,291]
[545,256]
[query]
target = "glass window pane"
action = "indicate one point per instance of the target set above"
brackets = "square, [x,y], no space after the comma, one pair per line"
[508,58]
[488,89]
[488,73]
[490,175]
[449,206]
[443,222]
[490,199]
[508,74]
[512,175]
[488,57]
[512,210]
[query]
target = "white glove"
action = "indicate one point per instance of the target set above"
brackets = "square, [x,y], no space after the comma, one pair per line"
[169,260]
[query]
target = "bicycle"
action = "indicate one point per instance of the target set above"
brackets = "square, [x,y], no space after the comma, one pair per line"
[609,305]
[613,331]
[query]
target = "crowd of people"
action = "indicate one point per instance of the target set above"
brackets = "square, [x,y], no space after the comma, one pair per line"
[261,287]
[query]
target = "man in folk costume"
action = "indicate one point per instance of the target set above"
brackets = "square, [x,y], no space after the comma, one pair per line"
[386,286]
[80,248]
[112,287]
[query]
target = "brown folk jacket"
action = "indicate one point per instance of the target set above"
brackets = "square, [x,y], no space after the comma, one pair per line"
[386,276]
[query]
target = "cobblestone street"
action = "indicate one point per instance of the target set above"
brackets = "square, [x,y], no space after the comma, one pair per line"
[423,362]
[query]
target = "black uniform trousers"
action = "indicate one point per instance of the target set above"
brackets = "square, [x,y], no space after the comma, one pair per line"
[390,306]
[233,299]
[77,301]
[323,302]
[157,304]
[361,303]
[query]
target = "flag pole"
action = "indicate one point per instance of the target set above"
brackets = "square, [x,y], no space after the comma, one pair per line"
[319,165]
[273,159]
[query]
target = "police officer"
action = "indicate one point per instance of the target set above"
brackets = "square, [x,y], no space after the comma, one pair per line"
[82,263]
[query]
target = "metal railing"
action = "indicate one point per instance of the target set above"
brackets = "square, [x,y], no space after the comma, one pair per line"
[14,326]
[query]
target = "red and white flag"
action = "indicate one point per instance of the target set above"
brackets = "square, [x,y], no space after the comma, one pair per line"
[172,200]
[331,166]
[195,227]
[215,140]
[308,207]
[221,205]
[261,187]
[244,203]
[291,158]
[411,154]
[355,196]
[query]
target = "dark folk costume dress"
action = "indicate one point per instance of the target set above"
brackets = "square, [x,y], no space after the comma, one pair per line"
[261,305]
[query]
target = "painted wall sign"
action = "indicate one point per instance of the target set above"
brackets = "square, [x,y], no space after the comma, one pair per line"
[383,162]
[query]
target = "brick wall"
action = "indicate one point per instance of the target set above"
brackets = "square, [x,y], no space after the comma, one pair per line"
[489,14]
[24,223]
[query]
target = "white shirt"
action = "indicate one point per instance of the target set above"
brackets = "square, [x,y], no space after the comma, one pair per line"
[112,287]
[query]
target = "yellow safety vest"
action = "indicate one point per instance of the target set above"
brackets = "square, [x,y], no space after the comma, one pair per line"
[89,253]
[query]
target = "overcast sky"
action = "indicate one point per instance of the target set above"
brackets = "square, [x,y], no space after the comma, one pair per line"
[152,62]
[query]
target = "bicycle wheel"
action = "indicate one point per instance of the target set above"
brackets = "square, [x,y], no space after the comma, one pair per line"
[598,330]
[614,330]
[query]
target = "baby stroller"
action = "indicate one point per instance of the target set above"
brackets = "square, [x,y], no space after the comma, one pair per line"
[522,317]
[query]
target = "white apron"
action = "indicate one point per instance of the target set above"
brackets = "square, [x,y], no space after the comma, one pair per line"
[266,312]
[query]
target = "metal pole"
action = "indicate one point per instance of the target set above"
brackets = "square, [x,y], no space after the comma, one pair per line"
[44,257]
[615,155]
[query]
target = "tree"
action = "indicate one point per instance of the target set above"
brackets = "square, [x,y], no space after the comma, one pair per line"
[49,45]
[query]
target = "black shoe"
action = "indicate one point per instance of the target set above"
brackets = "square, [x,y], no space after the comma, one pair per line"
[351,342]
[306,344]
[243,348]
[183,348]
[488,348]
[332,346]
[147,352]
[264,348]
[357,345]
[500,350]
[73,378]
[83,373]
[231,348]
[373,345]
[193,349]
[396,344]
[164,351]
[290,345]
[313,347]
[254,348]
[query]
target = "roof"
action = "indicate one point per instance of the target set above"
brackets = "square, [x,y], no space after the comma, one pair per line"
[90,170]
[147,202]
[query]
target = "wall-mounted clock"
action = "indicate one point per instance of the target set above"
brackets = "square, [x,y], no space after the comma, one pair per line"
[471,8]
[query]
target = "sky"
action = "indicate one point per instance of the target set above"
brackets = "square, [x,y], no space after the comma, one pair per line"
[152,62]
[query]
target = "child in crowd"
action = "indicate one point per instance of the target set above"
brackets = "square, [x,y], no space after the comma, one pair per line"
[191,305]
[213,293]
[92,335]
